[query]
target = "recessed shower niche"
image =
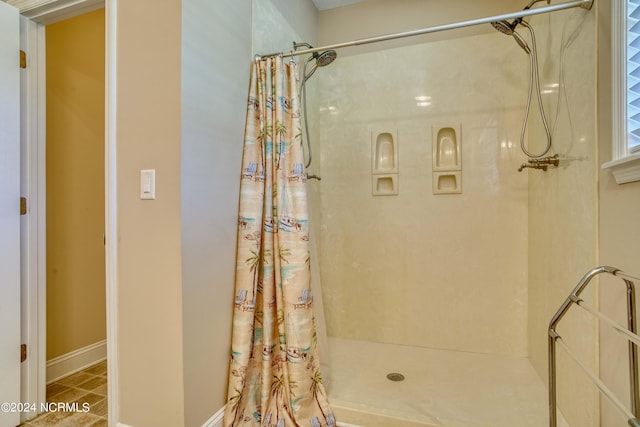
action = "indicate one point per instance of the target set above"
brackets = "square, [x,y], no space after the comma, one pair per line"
[384,185]
[384,162]
[447,182]
[446,148]
[447,159]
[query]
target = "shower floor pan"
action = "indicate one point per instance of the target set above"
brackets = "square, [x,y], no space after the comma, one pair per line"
[440,388]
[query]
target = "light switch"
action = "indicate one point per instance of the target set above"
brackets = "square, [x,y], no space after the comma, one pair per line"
[148,184]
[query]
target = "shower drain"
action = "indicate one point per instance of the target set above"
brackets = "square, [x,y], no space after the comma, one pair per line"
[394,376]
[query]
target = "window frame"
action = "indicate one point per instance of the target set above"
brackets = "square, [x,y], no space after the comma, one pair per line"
[625,165]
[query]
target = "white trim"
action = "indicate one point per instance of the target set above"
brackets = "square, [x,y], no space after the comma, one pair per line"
[75,361]
[42,213]
[33,228]
[38,62]
[111,250]
[625,170]
[619,78]
[216,419]
[50,11]
[624,165]
[122,425]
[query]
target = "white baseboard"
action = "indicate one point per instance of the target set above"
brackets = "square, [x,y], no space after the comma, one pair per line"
[216,421]
[75,361]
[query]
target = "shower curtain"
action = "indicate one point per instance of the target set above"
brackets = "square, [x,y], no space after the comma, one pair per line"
[274,376]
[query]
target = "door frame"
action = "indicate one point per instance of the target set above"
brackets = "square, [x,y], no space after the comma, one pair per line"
[38,14]
[33,226]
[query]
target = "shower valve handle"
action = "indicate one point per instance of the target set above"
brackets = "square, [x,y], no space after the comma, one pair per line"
[541,163]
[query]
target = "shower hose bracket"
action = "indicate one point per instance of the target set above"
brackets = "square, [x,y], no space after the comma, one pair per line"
[587,4]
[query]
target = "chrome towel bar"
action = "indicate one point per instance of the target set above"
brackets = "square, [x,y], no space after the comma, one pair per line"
[630,333]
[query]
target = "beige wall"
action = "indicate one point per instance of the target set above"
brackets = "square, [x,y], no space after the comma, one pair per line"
[619,234]
[176,254]
[455,262]
[563,204]
[75,184]
[149,293]
[216,55]
[295,20]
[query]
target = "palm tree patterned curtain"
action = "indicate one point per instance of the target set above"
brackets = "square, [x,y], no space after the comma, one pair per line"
[274,377]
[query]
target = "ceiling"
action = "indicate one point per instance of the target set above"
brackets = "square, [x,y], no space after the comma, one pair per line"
[330,4]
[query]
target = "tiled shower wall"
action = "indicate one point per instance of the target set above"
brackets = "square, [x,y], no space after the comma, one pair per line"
[563,205]
[443,271]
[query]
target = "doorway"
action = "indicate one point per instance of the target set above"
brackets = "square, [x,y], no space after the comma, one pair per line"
[76,325]
[75,210]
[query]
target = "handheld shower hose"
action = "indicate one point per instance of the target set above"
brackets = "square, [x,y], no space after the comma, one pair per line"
[534,75]
[508,28]
[322,60]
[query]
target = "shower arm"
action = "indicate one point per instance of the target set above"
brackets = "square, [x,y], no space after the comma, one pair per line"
[527,7]
[532,2]
[585,4]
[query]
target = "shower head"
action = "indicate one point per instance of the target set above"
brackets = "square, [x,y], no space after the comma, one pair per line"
[521,42]
[322,60]
[504,27]
[326,58]
[509,29]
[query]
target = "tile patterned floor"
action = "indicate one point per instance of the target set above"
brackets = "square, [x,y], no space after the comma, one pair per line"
[87,386]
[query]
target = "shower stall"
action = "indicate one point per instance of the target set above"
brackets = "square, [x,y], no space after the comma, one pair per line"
[436,303]
[422,284]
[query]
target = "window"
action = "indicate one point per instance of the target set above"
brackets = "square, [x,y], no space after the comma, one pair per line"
[625,165]
[633,74]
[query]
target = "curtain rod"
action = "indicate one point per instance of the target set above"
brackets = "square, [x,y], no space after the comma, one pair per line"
[585,4]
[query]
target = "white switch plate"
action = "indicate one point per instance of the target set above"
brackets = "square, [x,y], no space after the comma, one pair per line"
[148,184]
